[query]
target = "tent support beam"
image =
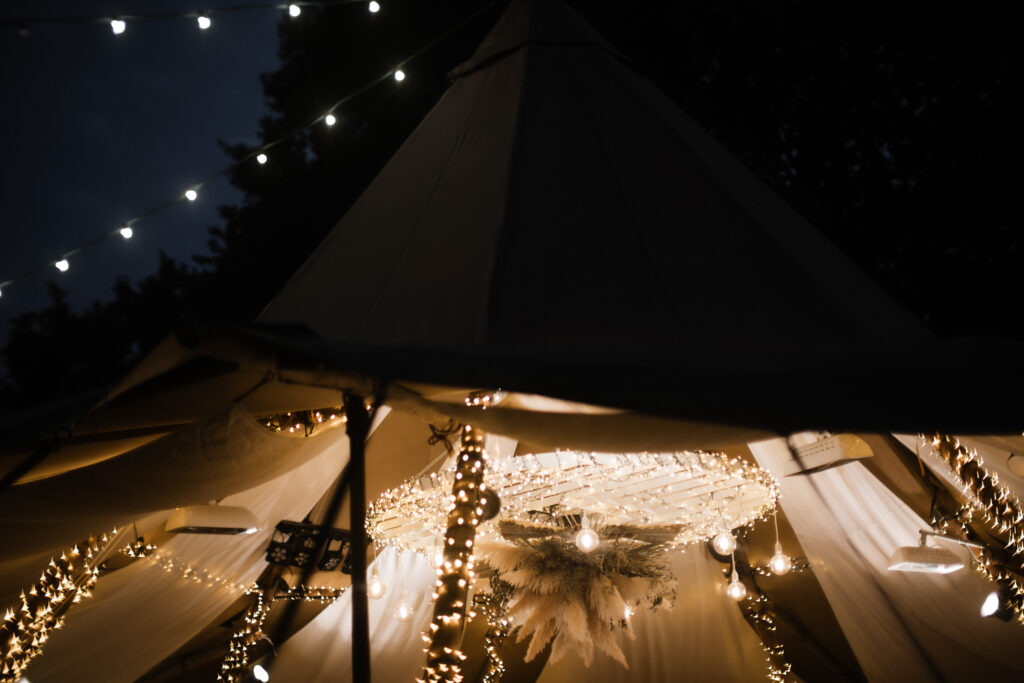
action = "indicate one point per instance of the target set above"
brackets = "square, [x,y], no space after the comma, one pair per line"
[358,427]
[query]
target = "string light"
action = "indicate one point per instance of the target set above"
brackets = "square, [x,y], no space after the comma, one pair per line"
[399,75]
[62,265]
[126,232]
[294,10]
[203,21]
[118,26]
[374,7]
[192,193]
[261,158]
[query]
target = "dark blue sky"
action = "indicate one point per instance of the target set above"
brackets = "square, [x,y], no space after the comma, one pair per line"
[97,128]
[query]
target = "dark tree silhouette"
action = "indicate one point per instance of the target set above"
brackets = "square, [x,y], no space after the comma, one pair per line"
[893,130]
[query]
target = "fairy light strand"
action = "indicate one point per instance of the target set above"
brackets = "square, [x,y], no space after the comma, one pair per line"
[191,192]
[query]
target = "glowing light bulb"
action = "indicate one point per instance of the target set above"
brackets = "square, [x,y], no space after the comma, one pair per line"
[736,590]
[62,265]
[627,613]
[191,195]
[724,543]
[991,604]
[118,26]
[203,21]
[294,10]
[127,232]
[780,563]
[261,158]
[437,561]
[376,589]
[330,120]
[587,540]
[260,674]
[374,7]
[404,610]
[399,75]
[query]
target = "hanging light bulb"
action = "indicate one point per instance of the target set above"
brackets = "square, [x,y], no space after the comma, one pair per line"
[126,232]
[261,158]
[374,7]
[399,75]
[330,120]
[118,26]
[203,21]
[62,265]
[736,590]
[191,195]
[260,674]
[404,610]
[724,543]
[376,588]
[294,10]
[586,538]
[780,564]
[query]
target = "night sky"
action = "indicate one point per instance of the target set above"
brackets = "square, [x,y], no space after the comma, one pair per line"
[96,128]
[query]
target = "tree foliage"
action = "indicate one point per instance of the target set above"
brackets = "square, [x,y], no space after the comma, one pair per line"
[893,132]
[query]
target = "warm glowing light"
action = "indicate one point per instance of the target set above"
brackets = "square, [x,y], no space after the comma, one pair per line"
[736,590]
[191,195]
[399,75]
[404,610]
[62,265]
[260,674]
[118,26]
[330,120]
[780,563]
[724,543]
[376,589]
[127,232]
[374,7]
[991,604]
[587,540]
[203,21]
[261,158]
[294,10]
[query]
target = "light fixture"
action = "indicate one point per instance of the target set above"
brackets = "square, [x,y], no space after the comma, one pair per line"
[399,75]
[62,265]
[724,542]
[374,7]
[118,26]
[203,21]
[260,674]
[127,232]
[404,610]
[736,590]
[294,10]
[191,195]
[780,564]
[921,558]
[212,519]
[376,588]
[587,539]
[330,120]
[261,158]
[996,605]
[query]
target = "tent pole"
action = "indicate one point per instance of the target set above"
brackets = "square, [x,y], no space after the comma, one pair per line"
[358,426]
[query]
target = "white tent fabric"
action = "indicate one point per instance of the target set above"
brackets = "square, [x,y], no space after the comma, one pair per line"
[322,650]
[703,638]
[205,461]
[143,613]
[901,626]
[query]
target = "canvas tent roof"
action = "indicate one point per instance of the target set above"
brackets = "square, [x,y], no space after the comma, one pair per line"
[554,226]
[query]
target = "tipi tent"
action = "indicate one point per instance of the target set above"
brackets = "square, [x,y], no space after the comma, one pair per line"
[559,243]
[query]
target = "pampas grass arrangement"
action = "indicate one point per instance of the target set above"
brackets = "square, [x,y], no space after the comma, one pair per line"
[575,599]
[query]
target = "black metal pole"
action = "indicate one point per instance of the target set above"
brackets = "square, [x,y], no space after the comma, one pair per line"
[358,426]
